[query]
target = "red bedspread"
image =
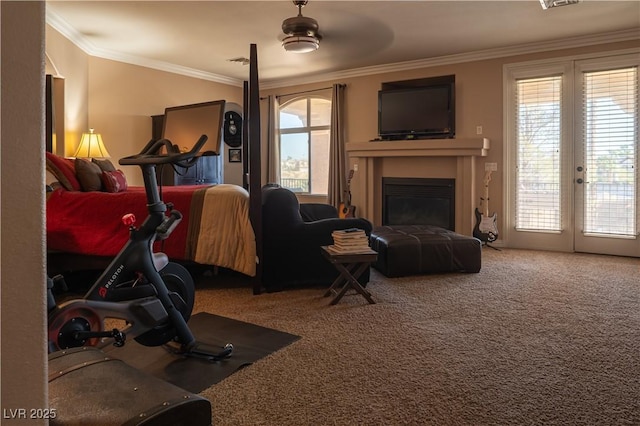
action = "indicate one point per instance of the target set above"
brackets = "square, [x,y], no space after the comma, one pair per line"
[90,222]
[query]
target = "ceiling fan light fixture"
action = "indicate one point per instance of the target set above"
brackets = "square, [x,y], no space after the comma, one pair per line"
[301,32]
[300,44]
[548,4]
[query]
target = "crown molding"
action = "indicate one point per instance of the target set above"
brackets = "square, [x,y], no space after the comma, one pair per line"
[522,49]
[63,27]
[89,48]
[166,66]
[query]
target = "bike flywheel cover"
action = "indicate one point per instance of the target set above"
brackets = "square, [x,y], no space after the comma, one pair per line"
[66,320]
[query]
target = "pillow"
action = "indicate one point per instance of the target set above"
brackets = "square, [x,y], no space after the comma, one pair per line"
[50,178]
[52,182]
[89,175]
[105,165]
[64,170]
[114,181]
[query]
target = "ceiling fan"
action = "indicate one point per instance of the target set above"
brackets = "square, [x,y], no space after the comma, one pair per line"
[301,32]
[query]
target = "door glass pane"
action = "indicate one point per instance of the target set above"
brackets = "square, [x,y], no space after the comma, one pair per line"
[294,161]
[538,124]
[611,140]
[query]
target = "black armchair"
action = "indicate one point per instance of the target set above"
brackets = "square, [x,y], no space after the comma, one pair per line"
[292,236]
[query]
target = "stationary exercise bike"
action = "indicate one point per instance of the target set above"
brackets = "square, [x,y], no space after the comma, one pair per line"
[152,295]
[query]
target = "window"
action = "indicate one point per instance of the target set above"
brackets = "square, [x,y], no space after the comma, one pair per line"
[538,136]
[610,116]
[305,126]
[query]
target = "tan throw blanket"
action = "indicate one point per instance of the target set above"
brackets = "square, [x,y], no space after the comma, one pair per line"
[220,232]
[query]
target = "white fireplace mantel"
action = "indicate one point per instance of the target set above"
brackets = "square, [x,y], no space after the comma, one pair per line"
[421,148]
[429,158]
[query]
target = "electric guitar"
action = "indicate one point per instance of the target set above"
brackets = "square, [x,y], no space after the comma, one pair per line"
[346,209]
[486,228]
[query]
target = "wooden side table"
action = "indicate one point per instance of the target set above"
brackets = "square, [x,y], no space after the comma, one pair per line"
[350,266]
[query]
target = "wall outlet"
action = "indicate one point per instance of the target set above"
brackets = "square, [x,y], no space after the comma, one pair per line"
[355,167]
[478,130]
[490,167]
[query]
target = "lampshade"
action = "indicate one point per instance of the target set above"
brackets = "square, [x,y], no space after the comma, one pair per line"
[91,146]
[300,44]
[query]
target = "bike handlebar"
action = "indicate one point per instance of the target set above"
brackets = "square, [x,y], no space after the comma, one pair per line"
[150,154]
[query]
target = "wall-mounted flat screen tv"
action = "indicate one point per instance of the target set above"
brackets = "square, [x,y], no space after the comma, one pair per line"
[417,112]
[183,125]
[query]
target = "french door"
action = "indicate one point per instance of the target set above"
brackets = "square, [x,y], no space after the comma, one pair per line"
[606,164]
[572,156]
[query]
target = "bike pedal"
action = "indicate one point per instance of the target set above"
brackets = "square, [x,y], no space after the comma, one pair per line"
[59,284]
[204,351]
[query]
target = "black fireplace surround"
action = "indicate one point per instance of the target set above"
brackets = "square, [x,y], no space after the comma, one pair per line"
[418,201]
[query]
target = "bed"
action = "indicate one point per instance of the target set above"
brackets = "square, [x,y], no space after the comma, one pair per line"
[215,229]
[221,224]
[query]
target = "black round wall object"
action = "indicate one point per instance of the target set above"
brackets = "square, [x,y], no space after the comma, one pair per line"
[232,129]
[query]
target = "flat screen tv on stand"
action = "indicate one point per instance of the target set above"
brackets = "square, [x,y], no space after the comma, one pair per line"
[417,112]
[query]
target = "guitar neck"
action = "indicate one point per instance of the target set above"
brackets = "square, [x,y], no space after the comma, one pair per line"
[487,179]
[348,190]
[486,200]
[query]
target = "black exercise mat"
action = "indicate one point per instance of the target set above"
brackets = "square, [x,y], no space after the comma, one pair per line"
[250,342]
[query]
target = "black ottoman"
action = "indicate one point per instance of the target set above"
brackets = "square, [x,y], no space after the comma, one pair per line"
[419,249]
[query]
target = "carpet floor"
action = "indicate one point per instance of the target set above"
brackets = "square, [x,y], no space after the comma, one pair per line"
[534,338]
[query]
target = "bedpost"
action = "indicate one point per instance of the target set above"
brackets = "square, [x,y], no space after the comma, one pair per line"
[245,132]
[255,173]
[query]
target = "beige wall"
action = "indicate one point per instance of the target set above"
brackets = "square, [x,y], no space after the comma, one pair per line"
[122,99]
[118,99]
[69,62]
[478,103]
[23,308]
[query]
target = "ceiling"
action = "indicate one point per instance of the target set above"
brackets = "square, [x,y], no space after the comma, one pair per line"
[199,38]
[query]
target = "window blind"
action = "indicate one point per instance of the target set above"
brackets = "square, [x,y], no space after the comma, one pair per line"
[538,136]
[610,116]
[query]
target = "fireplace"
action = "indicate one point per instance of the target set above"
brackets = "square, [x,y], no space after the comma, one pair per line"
[457,159]
[418,201]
